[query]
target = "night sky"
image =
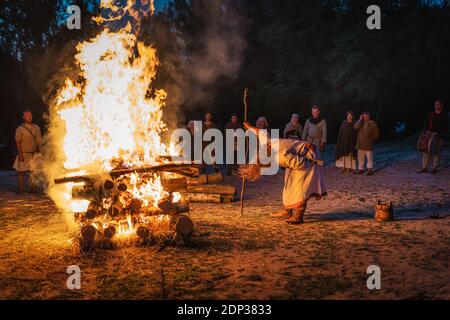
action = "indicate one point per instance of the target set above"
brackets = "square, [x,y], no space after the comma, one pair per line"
[159,4]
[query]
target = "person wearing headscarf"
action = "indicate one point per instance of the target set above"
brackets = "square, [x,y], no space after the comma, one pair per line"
[345,146]
[262,123]
[293,129]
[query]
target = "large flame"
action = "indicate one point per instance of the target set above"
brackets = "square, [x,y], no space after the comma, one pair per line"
[110,116]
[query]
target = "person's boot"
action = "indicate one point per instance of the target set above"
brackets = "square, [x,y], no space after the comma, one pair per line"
[285,213]
[434,171]
[423,170]
[297,215]
[21,182]
[358,172]
[369,172]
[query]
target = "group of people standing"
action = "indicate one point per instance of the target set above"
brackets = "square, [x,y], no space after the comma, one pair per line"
[354,148]
[355,140]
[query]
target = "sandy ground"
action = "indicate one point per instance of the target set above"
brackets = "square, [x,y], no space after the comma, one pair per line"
[252,256]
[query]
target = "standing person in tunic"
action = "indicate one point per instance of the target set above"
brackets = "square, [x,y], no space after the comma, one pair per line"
[437,124]
[234,125]
[293,129]
[303,179]
[367,134]
[345,146]
[28,139]
[315,129]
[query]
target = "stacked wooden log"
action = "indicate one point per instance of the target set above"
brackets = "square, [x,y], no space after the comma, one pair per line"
[208,188]
[204,188]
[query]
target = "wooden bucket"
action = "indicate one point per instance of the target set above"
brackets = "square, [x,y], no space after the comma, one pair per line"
[384,211]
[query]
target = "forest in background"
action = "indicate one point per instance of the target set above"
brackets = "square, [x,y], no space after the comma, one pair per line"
[291,54]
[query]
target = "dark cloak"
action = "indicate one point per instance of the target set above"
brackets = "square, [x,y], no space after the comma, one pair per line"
[346,140]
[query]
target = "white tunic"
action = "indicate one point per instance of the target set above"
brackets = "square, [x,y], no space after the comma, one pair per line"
[302,179]
[29,138]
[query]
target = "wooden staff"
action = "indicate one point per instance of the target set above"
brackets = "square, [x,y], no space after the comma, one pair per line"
[246,150]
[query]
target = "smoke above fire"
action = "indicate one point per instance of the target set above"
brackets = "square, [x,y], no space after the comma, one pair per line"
[217,56]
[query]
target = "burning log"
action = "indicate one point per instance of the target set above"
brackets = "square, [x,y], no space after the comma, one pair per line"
[213,188]
[109,231]
[116,209]
[108,184]
[89,233]
[184,227]
[168,207]
[122,187]
[85,192]
[143,232]
[92,210]
[136,205]
[189,170]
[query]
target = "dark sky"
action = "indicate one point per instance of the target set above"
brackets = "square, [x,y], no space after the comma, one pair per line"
[159,4]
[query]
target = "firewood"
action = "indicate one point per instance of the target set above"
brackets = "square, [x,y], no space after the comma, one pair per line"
[185,169]
[213,188]
[109,231]
[92,210]
[202,179]
[89,233]
[143,231]
[227,199]
[184,227]
[165,205]
[85,193]
[108,184]
[202,197]
[122,187]
[214,178]
[174,184]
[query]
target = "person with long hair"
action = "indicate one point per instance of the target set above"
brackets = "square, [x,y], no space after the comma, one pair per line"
[346,143]
[304,177]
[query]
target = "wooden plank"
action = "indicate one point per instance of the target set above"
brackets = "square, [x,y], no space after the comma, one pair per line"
[202,197]
[213,189]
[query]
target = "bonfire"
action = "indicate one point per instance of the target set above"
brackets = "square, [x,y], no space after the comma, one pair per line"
[107,126]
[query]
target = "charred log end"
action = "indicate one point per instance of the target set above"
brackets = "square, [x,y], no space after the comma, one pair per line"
[165,205]
[143,232]
[185,228]
[91,211]
[108,185]
[88,233]
[109,232]
[122,187]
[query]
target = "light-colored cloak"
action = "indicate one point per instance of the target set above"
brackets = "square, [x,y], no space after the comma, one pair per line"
[303,179]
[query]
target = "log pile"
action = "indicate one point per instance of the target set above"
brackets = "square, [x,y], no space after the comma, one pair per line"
[206,188]
[116,211]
